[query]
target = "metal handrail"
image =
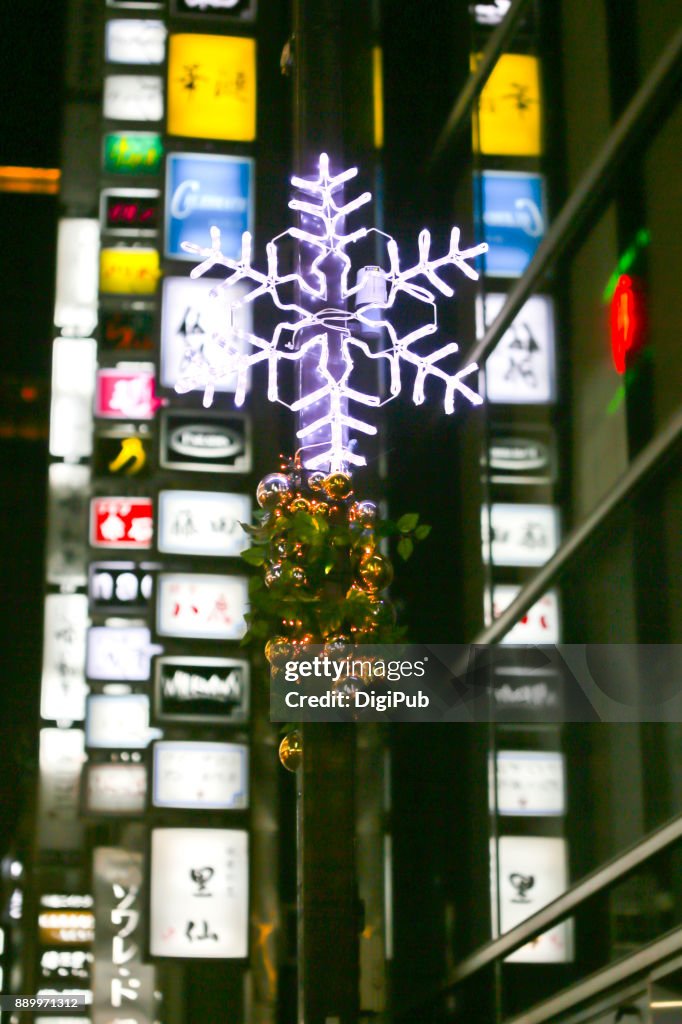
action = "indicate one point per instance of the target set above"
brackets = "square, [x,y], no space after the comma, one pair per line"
[639,469]
[599,982]
[459,114]
[592,190]
[591,885]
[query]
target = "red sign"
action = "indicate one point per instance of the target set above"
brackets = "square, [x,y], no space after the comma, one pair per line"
[125,394]
[121,522]
[628,320]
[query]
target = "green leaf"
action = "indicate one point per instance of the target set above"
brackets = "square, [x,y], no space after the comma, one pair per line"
[254,556]
[422,532]
[408,522]
[405,547]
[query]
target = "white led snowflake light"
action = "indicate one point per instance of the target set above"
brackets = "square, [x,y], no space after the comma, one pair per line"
[324,332]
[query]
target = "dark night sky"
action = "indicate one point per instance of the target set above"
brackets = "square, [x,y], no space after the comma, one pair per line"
[31,54]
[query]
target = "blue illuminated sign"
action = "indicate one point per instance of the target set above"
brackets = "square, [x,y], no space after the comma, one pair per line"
[511,214]
[203,190]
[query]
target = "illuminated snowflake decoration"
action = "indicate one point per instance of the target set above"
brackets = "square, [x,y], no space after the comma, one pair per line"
[330,334]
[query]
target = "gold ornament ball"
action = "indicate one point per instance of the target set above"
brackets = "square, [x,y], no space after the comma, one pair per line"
[338,485]
[291,751]
[299,504]
[273,574]
[278,651]
[272,491]
[375,572]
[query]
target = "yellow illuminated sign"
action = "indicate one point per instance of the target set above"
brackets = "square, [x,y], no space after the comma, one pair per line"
[509,110]
[378,89]
[212,87]
[128,271]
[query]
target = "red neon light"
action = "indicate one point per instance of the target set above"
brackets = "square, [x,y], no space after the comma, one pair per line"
[627,320]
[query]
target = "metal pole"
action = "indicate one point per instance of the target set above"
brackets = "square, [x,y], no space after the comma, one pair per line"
[327,891]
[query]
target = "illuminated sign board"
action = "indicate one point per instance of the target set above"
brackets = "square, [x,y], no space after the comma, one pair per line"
[119,652]
[76,286]
[67,503]
[212,87]
[205,190]
[66,927]
[120,588]
[133,271]
[65,966]
[199,886]
[132,153]
[521,534]
[208,691]
[121,522]
[532,872]
[528,457]
[203,442]
[119,790]
[115,721]
[127,330]
[125,393]
[509,121]
[73,373]
[63,688]
[521,369]
[134,4]
[530,783]
[539,625]
[200,776]
[62,753]
[511,210]
[132,211]
[242,9]
[135,41]
[202,522]
[124,988]
[119,451]
[133,98]
[189,319]
[202,606]
[490,12]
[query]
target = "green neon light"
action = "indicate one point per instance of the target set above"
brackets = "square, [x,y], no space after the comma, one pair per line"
[640,241]
[631,375]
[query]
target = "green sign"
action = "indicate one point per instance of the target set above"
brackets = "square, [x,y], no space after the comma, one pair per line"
[132,153]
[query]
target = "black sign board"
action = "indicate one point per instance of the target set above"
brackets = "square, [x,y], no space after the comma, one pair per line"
[526,457]
[120,588]
[121,452]
[208,690]
[127,330]
[205,443]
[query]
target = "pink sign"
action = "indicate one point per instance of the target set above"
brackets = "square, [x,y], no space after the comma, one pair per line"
[125,394]
[121,522]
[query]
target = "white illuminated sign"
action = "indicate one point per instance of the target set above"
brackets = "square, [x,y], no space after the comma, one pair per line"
[119,653]
[194,775]
[539,625]
[77,276]
[62,752]
[529,783]
[63,688]
[202,522]
[532,872]
[67,502]
[118,721]
[133,98]
[74,362]
[199,893]
[119,789]
[192,322]
[135,41]
[521,369]
[202,606]
[521,534]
